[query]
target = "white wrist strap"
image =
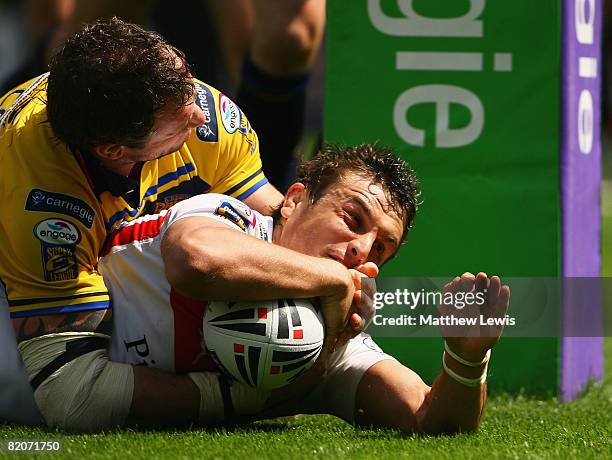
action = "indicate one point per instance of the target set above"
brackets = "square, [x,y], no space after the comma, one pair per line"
[244,400]
[211,400]
[465,362]
[474,382]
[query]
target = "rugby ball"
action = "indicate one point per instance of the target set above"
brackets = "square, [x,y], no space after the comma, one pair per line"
[264,344]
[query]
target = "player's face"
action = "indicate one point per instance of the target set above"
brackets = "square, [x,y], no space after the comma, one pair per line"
[171,130]
[352,223]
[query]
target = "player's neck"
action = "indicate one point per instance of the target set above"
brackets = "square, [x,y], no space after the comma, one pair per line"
[120,167]
[277,232]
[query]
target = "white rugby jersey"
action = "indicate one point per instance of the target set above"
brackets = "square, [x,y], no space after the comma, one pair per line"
[156,326]
[152,323]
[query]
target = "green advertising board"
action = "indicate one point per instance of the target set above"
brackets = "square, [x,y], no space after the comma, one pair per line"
[468,92]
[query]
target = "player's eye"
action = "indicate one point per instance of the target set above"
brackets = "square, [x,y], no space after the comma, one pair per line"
[351,219]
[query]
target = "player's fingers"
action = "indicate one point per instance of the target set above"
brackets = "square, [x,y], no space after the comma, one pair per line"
[366,308]
[455,285]
[356,321]
[368,286]
[357,300]
[369,269]
[503,300]
[353,329]
[499,308]
[329,344]
[467,281]
[493,290]
[482,282]
[356,317]
[356,276]
[323,359]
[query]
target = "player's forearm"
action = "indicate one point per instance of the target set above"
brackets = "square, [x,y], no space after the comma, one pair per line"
[450,406]
[218,264]
[265,199]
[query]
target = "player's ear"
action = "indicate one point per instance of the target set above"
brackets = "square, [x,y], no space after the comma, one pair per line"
[109,151]
[294,196]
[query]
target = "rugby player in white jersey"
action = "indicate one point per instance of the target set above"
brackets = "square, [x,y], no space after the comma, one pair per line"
[353,205]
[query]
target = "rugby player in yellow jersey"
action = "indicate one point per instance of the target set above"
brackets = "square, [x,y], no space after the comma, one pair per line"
[119,128]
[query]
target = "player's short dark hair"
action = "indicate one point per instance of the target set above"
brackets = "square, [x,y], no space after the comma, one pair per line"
[108,82]
[371,161]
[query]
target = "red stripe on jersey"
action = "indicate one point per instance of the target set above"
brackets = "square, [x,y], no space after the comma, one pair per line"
[138,231]
[189,352]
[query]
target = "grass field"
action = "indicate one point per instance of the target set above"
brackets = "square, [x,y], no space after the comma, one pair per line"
[513,427]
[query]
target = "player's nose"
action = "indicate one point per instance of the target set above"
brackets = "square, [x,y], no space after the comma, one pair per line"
[359,249]
[197,118]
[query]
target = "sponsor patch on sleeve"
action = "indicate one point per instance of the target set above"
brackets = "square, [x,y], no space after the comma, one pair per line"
[242,216]
[208,132]
[234,120]
[231,116]
[58,239]
[44,201]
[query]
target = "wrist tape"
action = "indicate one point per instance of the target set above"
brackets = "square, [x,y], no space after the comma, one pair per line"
[470,382]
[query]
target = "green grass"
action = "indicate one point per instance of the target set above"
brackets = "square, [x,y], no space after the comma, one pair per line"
[513,427]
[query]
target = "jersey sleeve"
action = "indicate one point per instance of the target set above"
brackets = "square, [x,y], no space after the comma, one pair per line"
[336,394]
[238,171]
[224,209]
[51,228]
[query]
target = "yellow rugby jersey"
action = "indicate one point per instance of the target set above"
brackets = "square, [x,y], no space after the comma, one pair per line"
[58,206]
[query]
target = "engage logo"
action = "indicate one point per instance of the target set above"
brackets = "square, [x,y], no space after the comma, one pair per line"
[230,114]
[57,232]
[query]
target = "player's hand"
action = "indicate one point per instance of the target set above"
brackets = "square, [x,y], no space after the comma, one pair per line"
[362,310]
[492,300]
[336,305]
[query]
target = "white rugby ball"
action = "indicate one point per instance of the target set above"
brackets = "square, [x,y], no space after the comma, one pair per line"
[264,344]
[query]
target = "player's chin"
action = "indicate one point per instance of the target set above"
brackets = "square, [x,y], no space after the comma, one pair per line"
[176,147]
[171,150]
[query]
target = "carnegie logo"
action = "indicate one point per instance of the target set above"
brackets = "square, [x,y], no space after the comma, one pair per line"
[230,114]
[44,201]
[57,232]
[206,102]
